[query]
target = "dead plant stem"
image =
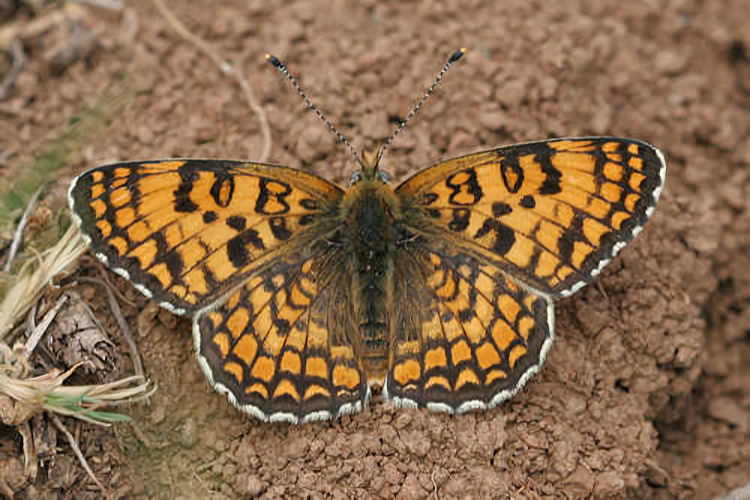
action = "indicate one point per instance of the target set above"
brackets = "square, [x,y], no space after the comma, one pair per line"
[76,449]
[226,68]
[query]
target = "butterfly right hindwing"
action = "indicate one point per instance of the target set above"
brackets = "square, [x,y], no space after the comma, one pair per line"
[465,335]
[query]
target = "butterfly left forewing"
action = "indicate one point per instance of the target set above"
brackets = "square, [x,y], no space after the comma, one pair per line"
[186,231]
[550,213]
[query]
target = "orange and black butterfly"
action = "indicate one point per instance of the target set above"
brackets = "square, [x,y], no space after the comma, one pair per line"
[304,295]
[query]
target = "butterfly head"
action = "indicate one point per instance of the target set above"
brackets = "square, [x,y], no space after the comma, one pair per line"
[369,170]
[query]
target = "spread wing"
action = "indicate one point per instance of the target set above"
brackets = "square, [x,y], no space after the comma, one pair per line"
[552,214]
[187,231]
[284,346]
[490,240]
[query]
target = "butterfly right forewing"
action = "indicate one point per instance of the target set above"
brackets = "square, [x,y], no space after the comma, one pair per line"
[551,213]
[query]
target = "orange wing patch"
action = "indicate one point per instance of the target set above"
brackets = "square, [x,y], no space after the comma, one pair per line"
[551,213]
[186,231]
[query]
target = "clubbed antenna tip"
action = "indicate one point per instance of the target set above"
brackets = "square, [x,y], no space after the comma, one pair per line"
[456,55]
[452,59]
[273,60]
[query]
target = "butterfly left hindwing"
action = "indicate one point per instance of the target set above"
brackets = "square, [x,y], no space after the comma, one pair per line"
[282,345]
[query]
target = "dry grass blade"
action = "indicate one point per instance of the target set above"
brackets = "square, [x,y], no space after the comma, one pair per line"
[27,286]
[41,328]
[18,235]
[114,5]
[84,402]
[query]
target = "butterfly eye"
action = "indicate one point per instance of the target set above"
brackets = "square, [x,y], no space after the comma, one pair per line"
[355,178]
[384,176]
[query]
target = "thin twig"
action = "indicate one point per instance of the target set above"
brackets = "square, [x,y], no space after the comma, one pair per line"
[115,307]
[226,68]
[19,59]
[434,484]
[14,246]
[105,279]
[42,327]
[114,5]
[31,320]
[76,449]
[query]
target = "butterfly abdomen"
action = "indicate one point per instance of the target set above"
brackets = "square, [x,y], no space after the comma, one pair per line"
[371,234]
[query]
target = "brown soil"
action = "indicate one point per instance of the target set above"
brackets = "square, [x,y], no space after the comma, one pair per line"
[645,392]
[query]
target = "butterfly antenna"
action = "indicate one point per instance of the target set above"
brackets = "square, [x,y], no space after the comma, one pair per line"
[402,125]
[285,71]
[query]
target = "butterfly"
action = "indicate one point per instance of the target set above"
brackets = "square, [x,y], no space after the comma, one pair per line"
[304,295]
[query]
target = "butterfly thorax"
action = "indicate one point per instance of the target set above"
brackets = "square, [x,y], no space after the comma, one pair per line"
[372,221]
